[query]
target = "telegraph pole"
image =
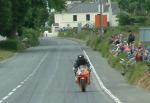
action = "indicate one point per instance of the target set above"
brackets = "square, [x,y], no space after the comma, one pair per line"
[101,17]
[101,29]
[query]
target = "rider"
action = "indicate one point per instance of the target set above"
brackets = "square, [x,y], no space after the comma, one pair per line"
[81,60]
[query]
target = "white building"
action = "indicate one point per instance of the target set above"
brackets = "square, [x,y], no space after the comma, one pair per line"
[80,14]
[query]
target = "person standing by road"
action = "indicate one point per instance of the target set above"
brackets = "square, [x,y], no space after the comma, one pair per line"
[131,38]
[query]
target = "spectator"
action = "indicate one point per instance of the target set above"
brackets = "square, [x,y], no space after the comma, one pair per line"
[133,48]
[130,55]
[131,38]
[145,54]
[126,48]
[138,56]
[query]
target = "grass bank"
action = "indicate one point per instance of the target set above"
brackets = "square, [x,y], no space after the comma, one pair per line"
[101,44]
[5,54]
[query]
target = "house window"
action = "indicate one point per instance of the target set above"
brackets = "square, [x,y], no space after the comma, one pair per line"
[74,17]
[87,17]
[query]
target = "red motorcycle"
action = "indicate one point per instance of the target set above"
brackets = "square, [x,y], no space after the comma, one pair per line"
[83,77]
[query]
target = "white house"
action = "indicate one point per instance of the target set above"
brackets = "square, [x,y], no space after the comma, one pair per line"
[80,14]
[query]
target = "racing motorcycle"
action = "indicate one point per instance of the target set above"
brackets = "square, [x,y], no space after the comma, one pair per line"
[83,77]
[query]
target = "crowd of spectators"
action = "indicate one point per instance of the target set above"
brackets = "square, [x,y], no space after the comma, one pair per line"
[132,51]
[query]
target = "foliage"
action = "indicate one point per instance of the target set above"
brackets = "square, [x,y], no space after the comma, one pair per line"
[5,16]
[93,41]
[12,44]
[135,7]
[136,72]
[134,12]
[128,19]
[50,19]
[30,36]
[57,4]
[83,34]
[37,14]
[16,14]
[19,9]
[124,18]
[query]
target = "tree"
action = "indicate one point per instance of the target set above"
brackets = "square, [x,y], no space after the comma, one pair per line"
[138,11]
[59,5]
[16,14]
[124,18]
[136,7]
[37,14]
[124,4]
[51,19]
[19,10]
[5,16]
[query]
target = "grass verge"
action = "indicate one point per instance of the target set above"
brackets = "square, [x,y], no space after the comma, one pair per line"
[4,54]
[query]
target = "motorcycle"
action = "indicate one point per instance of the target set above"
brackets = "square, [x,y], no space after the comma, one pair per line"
[83,77]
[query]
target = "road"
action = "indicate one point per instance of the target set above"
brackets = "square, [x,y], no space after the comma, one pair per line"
[44,74]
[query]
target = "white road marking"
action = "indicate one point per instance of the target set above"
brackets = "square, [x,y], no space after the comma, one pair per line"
[4,98]
[14,90]
[25,80]
[101,84]
[22,83]
[19,86]
[10,93]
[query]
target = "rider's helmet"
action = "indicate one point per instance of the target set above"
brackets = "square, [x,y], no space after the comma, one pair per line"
[81,56]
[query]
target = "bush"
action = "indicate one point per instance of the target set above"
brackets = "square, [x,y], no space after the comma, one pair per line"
[93,41]
[83,34]
[140,19]
[124,18]
[32,36]
[129,19]
[12,44]
[103,47]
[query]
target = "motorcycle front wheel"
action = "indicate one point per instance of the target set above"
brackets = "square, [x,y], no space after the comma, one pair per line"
[83,85]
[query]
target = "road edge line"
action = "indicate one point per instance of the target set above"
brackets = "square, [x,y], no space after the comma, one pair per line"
[101,84]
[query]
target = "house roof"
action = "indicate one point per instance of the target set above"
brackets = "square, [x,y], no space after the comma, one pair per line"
[90,7]
[84,7]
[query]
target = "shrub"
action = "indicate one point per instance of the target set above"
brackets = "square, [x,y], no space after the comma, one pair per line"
[140,19]
[124,18]
[32,36]
[93,41]
[83,34]
[12,44]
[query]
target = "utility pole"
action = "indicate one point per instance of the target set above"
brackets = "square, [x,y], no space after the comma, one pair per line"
[100,10]
[101,17]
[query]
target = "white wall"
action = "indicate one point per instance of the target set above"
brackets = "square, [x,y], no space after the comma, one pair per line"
[115,21]
[67,18]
